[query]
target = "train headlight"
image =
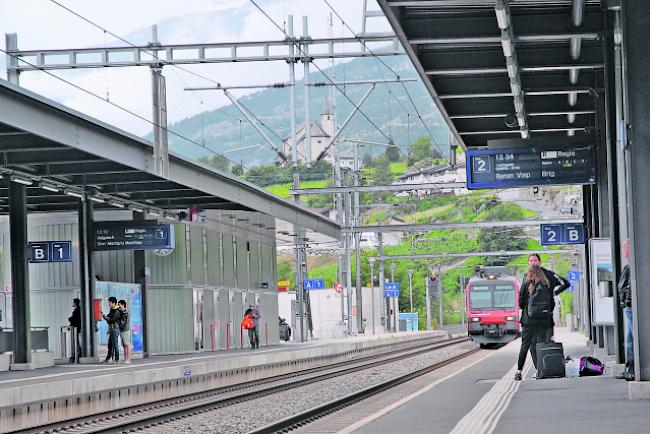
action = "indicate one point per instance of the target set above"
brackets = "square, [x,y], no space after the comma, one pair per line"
[510,318]
[476,319]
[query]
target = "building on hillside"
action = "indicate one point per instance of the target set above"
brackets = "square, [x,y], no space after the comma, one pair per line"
[320,137]
[433,174]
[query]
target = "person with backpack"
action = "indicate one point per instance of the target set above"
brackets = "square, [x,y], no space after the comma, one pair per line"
[113,319]
[557,283]
[125,331]
[536,303]
[251,323]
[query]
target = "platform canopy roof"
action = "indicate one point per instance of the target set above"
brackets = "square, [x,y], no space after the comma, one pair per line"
[505,70]
[60,153]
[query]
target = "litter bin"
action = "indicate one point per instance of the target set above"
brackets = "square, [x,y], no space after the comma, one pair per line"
[69,343]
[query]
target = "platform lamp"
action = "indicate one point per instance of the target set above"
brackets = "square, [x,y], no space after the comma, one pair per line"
[410,272]
[371,262]
[432,272]
[392,266]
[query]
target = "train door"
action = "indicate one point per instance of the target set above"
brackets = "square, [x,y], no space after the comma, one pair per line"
[3,310]
[210,315]
[198,319]
[237,313]
[216,329]
[224,320]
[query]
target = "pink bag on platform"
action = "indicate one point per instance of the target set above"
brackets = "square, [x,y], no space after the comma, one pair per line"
[591,366]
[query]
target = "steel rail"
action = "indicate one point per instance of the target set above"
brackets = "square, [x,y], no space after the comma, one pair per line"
[301,419]
[146,415]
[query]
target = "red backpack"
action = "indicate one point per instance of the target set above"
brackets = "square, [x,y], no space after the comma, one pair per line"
[248,323]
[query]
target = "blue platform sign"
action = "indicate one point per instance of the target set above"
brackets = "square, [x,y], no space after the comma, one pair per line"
[50,251]
[391,289]
[309,284]
[573,275]
[517,163]
[565,233]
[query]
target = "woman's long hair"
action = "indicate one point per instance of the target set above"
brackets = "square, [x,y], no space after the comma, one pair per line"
[536,275]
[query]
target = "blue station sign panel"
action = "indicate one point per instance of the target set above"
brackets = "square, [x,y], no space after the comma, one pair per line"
[309,284]
[573,275]
[132,236]
[567,233]
[391,289]
[50,251]
[530,166]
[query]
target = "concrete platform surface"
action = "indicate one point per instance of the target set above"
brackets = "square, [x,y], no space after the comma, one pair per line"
[228,359]
[484,398]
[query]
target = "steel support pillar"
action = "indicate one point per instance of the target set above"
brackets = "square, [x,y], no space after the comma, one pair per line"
[139,277]
[19,273]
[427,297]
[610,117]
[636,16]
[159,113]
[11,44]
[357,242]
[292,94]
[87,278]
[385,308]
[305,81]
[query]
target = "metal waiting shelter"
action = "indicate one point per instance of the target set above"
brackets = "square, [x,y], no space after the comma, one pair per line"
[56,159]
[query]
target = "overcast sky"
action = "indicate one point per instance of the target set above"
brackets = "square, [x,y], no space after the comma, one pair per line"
[42,24]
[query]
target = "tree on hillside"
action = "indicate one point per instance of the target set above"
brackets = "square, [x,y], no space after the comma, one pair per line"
[367,159]
[382,175]
[285,271]
[266,175]
[419,149]
[237,170]
[392,152]
[490,240]
[217,161]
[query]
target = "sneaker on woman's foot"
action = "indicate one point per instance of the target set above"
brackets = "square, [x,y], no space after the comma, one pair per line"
[518,376]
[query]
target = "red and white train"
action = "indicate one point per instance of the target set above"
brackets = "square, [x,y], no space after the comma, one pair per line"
[492,306]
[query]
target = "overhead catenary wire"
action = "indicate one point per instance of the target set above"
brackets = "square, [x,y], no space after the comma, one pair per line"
[336,86]
[384,63]
[119,107]
[165,62]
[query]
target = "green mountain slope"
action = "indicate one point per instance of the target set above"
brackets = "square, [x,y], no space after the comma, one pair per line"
[221,132]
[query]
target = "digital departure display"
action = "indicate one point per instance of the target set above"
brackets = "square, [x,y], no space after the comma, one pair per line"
[524,166]
[132,236]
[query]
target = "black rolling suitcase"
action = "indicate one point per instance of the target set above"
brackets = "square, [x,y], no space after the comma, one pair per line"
[550,360]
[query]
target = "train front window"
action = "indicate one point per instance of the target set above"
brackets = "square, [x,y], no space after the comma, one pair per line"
[480,297]
[504,296]
[492,296]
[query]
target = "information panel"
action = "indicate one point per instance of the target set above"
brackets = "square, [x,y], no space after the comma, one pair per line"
[309,284]
[537,165]
[132,236]
[565,233]
[602,281]
[50,251]
[391,289]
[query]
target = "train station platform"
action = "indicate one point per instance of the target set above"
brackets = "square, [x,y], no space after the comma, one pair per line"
[480,396]
[29,398]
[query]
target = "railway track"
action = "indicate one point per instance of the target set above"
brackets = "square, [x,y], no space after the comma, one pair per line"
[301,419]
[146,416]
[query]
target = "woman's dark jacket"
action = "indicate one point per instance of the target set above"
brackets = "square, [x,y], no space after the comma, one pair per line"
[523,305]
[624,290]
[557,284]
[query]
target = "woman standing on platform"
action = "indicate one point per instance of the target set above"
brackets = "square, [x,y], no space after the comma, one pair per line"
[536,303]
